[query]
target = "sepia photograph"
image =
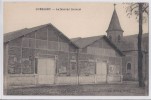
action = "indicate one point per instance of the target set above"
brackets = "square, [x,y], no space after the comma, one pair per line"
[76,49]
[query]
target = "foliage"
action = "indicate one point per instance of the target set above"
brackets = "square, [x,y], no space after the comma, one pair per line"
[133,9]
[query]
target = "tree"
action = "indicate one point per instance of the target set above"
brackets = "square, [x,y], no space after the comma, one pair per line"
[139,9]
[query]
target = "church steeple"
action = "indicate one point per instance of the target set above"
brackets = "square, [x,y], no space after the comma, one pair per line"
[114,31]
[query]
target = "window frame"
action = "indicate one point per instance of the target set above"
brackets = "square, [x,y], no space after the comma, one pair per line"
[110,37]
[73,61]
[119,38]
[128,72]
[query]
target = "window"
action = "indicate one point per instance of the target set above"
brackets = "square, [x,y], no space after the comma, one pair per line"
[87,68]
[119,38]
[73,64]
[14,66]
[73,67]
[114,69]
[27,66]
[129,68]
[110,37]
[63,70]
[20,66]
[92,66]
[111,69]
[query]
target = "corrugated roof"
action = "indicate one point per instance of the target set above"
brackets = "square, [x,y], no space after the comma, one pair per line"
[84,42]
[127,43]
[16,34]
[75,39]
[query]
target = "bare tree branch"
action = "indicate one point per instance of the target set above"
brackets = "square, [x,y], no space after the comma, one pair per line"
[134,8]
[145,9]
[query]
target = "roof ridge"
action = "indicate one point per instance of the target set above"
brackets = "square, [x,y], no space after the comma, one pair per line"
[8,36]
[15,31]
[134,34]
[92,36]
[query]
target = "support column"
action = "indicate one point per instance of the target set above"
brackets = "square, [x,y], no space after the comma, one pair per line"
[5,83]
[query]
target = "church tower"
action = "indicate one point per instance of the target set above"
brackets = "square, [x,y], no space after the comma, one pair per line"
[114,31]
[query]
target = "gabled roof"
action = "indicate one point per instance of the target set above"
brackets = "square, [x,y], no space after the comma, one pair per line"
[75,39]
[114,23]
[15,34]
[84,42]
[129,43]
[19,33]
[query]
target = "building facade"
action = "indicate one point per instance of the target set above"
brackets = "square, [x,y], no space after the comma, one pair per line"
[44,55]
[99,60]
[40,55]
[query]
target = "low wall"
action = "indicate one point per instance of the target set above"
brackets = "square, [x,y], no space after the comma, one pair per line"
[100,78]
[66,80]
[20,80]
[87,79]
[114,78]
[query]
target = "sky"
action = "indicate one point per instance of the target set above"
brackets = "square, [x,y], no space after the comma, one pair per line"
[93,19]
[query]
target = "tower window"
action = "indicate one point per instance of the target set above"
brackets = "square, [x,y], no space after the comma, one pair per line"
[129,68]
[110,37]
[119,38]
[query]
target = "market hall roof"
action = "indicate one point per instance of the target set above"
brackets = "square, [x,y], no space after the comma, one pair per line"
[84,42]
[127,44]
[22,32]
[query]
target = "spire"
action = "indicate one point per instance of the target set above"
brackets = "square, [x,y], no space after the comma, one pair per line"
[114,23]
[114,6]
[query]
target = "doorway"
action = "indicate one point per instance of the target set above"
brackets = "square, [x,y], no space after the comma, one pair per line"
[46,70]
[101,72]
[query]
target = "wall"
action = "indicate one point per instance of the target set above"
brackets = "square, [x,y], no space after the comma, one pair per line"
[99,51]
[45,42]
[132,57]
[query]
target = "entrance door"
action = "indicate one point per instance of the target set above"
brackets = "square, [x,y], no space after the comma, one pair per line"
[101,72]
[46,71]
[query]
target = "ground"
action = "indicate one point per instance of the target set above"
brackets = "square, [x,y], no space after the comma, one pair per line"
[82,90]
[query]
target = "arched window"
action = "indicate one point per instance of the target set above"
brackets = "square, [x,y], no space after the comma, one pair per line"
[119,38]
[129,68]
[110,37]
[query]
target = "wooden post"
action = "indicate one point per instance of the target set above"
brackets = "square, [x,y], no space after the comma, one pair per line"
[78,66]
[5,83]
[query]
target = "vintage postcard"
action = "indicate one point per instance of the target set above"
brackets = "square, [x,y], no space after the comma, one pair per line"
[76,49]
